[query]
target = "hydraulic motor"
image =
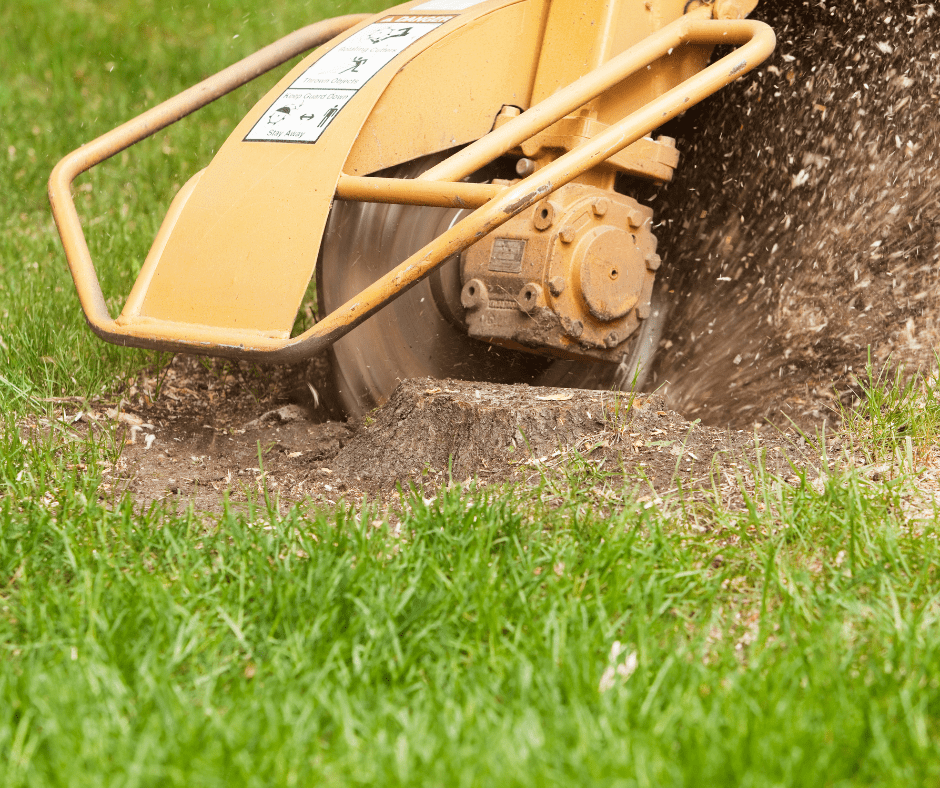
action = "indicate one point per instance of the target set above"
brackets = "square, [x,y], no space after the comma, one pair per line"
[572,276]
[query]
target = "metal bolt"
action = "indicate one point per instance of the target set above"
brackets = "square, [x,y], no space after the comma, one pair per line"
[575,328]
[635,218]
[567,234]
[643,311]
[612,340]
[525,167]
[556,285]
[653,261]
[600,206]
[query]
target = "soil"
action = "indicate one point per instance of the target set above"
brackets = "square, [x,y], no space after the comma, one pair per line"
[800,240]
[198,431]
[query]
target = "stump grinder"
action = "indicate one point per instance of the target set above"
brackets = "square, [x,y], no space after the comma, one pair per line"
[452,173]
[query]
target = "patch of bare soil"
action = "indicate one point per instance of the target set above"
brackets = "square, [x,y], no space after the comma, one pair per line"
[199,431]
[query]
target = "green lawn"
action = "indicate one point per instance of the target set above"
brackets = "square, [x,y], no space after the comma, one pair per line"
[485,637]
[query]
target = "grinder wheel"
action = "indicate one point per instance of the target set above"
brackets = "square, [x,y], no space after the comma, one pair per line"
[418,334]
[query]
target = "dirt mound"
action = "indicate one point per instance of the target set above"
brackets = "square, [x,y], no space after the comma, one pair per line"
[439,431]
[803,225]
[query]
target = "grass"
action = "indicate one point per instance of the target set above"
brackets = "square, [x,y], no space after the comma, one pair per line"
[484,637]
[794,642]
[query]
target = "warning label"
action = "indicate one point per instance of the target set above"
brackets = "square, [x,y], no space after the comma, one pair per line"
[305,110]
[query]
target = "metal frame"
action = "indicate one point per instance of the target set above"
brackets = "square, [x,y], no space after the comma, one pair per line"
[439,186]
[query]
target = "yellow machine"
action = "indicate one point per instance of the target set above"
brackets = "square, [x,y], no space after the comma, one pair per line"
[447,171]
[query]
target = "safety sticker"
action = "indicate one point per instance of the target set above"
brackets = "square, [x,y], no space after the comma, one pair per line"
[305,110]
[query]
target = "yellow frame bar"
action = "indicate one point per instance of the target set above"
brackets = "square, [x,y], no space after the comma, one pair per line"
[439,186]
[416,192]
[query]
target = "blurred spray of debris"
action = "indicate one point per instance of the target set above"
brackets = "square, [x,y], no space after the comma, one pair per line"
[804,223]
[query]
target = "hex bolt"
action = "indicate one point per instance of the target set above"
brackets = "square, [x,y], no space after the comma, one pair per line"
[653,261]
[525,167]
[544,215]
[612,340]
[556,285]
[567,234]
[643,311]
[509,111]
[635,218]
[600,206]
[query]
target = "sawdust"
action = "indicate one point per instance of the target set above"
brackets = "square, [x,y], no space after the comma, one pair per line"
[803,228]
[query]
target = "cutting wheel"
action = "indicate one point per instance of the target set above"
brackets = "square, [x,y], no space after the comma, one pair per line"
[418,334]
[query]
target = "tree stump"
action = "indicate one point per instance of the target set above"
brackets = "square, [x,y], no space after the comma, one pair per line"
[470,429]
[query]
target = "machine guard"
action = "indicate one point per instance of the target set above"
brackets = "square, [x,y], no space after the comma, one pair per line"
[229,267]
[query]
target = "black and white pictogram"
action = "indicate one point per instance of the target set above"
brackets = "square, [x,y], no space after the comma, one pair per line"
[383,35]
[354,68]
[278,115]
[328,116]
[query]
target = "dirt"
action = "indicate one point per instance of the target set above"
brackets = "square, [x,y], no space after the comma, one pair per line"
[800,239]
[436,432]
[199,431]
